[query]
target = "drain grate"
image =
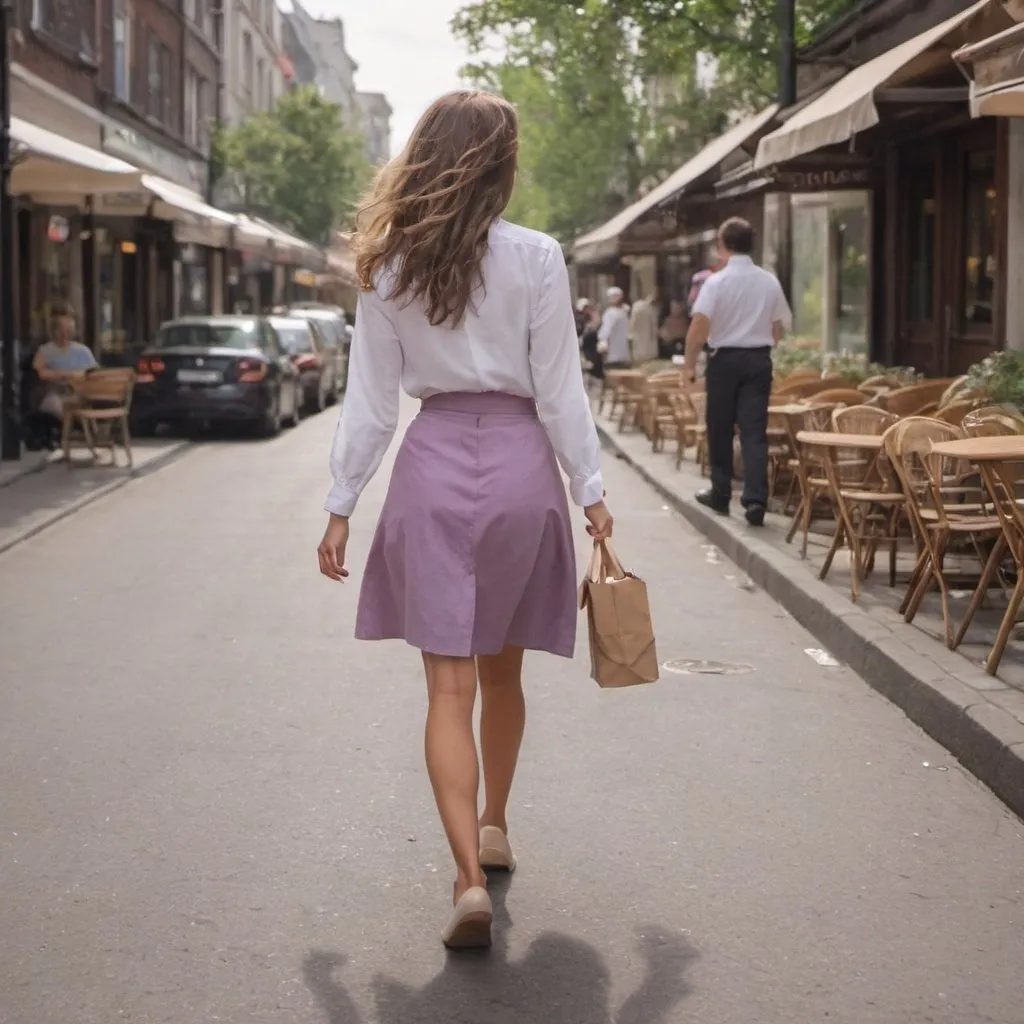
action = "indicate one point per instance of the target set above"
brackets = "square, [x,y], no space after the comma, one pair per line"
[682,667]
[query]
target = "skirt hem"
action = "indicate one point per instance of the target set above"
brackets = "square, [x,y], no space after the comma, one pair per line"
[558,652]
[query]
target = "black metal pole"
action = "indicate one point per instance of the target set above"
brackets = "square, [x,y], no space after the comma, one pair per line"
[10,414]
[787,97]
[787,53]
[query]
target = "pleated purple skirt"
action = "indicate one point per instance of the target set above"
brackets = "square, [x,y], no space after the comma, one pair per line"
[474,549]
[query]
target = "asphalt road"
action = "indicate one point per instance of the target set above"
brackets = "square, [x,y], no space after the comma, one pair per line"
[214,808]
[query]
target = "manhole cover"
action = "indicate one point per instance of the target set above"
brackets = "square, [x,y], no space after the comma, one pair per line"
[683,667]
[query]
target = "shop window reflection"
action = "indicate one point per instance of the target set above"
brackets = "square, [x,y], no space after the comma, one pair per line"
[921,239]
[979,267]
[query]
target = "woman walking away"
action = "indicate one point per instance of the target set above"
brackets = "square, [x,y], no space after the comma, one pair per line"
[473,560]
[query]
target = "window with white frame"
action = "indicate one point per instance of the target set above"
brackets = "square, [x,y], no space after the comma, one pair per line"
[70,24]
[159,78]
[203,114]
[261,95]
[122,51]
[247,67]
[191,110]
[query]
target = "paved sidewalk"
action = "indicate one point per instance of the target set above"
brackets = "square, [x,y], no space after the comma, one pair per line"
[40,490]
[947,693]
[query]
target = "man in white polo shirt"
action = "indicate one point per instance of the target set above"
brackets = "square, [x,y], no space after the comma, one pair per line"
[614,332]
[740,314]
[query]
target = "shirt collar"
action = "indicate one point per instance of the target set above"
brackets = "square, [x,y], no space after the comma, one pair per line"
[740,261]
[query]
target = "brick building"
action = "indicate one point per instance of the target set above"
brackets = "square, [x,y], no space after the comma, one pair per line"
[136,83]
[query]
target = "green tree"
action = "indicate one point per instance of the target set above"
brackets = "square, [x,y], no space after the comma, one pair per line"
[615,94]
[298,162]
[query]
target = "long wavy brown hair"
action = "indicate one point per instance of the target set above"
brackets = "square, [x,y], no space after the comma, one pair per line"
[427,217]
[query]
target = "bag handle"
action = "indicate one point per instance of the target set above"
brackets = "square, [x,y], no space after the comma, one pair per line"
[604,562]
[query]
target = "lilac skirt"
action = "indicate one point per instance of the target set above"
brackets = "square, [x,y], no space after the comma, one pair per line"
[474,549]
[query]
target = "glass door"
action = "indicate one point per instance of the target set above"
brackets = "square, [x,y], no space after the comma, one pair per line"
[919,338]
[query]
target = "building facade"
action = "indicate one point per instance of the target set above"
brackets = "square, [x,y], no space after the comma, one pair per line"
[254,76]
[318,53]
[376,126]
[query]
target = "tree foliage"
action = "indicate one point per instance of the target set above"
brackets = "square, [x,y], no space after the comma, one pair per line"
[614,94]
[297,163]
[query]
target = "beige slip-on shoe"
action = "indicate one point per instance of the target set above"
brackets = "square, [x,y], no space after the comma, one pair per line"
[470,926]
[495,850]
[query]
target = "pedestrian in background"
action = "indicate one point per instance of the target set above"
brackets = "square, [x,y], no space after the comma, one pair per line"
[643,329]
[588,322]
[473,558]
[740,314]
[613,335]
[672,333]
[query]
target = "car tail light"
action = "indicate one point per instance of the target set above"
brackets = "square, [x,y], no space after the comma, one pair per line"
[250,371]
[149,368]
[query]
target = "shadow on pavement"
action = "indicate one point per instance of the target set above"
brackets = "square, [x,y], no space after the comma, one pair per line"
[560,979]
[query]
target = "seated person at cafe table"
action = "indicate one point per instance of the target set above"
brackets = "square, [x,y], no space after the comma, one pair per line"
[59,361]
[739,315]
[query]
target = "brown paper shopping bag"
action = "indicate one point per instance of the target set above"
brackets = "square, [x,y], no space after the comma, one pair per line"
[622,651]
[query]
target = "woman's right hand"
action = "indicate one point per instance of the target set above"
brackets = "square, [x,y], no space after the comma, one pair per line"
[600,521]
[331,552]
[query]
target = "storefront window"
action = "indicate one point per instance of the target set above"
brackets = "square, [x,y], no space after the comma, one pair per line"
[832,270]
[56,262]
[850,243]
[921,247]
[195,290]
[979,267]
[810,269]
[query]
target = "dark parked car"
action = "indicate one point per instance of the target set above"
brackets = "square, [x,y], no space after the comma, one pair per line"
[305,344]
[217,369]
[337,334]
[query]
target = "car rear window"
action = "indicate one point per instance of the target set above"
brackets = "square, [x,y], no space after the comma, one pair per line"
[242,334]
[296,340]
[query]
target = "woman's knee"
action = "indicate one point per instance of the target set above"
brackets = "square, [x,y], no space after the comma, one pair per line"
[501,670]
[450,678]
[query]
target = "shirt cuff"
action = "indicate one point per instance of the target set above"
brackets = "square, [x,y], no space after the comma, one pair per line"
[341,501]
[587,490]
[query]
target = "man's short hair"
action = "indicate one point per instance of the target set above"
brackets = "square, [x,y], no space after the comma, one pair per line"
[737,236]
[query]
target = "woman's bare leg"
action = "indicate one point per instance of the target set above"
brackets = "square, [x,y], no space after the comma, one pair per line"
[502,721]
[452,762]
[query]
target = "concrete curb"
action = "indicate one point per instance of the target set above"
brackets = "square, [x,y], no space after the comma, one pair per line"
[170,454]
[937,689]
[31,466]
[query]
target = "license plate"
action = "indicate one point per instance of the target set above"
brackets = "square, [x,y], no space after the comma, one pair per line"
[199,376]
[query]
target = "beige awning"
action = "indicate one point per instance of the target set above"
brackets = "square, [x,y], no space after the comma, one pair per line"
[48,164]
[173,200]
[604,241]
[848,107]
[252,233]
[997,73]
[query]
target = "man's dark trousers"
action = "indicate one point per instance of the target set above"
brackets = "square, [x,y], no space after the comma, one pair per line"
[739,386]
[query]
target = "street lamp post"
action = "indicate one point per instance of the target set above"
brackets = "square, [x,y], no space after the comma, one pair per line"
[787,53]
[787,97]
[10,414]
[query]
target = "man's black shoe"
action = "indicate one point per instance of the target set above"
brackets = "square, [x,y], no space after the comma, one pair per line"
[755,515]
[711,500]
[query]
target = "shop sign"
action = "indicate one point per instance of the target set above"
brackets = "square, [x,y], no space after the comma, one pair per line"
[126,203]
[306,278]
[58,230]
[825,179]
[129,145]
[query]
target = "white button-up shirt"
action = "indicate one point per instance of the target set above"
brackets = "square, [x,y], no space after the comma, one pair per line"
[518,336]
[742,302]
